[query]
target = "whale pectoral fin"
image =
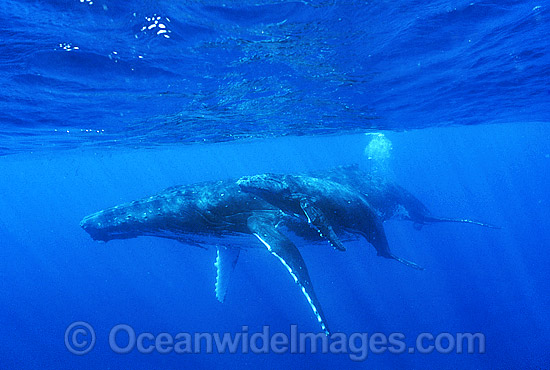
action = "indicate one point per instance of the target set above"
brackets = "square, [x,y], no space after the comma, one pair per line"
[226,259]
[318,220]
[375,234]
[287,253]
[460,220]
[406,262]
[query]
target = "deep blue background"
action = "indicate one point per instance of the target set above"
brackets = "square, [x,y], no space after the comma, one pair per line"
[94,109]
[476,279]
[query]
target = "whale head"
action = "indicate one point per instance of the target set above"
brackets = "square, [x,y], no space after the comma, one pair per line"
[278,190]
[168,215]
[112,223]
[266,186]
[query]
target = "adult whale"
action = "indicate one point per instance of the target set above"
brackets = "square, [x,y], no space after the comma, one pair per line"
[220,213]
[390,200]
[211,213]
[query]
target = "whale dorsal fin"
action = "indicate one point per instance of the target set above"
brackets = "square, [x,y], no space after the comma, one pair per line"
[226,259]
[287,253]
[318,220]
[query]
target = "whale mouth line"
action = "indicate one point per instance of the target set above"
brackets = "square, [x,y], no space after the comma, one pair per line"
[99,233]
[102,236]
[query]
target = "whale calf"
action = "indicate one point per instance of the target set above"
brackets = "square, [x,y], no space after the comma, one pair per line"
[330,207]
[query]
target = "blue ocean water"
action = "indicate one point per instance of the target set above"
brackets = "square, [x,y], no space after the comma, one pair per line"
[104,102]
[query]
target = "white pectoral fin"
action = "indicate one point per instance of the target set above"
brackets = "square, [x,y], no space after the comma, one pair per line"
[287,253]
[317,219]
[226,259]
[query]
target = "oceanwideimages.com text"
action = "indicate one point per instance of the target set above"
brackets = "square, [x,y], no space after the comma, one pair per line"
[80,338]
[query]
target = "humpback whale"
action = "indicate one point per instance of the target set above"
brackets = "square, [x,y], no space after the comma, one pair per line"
[220,213]
[331,207]
[211,213]
[390,200]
